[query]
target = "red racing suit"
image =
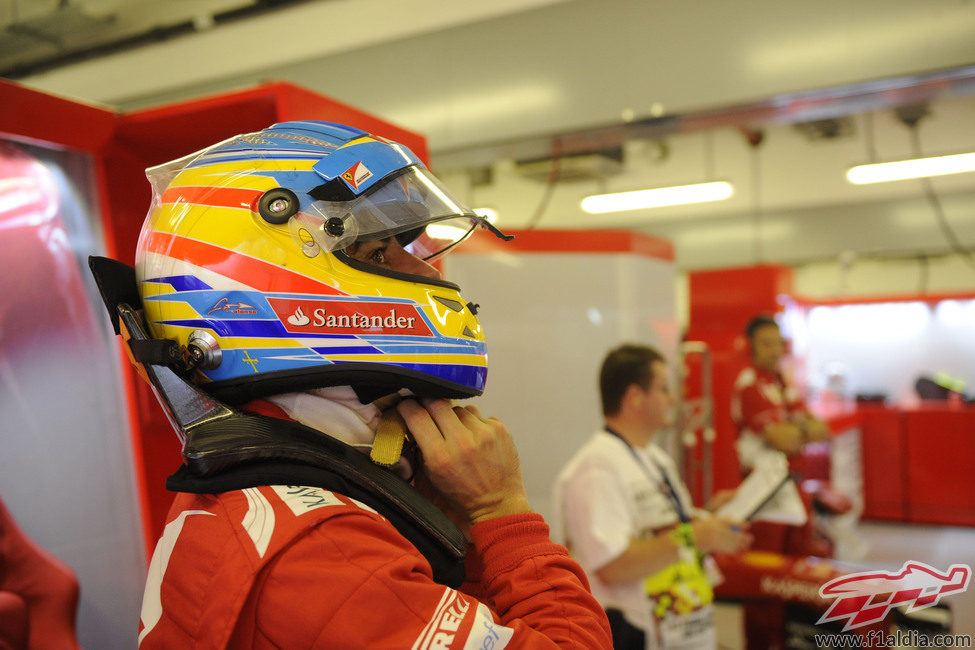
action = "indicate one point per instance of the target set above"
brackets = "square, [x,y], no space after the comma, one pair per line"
[760,398]
[302,567]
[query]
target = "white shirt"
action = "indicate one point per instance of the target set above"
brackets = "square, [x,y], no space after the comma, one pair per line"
[604,499]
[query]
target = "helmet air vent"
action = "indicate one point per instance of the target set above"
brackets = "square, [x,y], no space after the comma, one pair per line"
[278,205]
[449,304]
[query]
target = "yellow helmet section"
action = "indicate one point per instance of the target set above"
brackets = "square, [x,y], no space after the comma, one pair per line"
[225,264]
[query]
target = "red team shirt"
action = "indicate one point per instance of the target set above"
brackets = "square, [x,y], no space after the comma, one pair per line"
[302,567]
[761,397]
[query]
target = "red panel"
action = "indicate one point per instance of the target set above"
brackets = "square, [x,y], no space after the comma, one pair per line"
[167,132]
[940,455]
[724,300]
[123,146]
[27,113]
[150,137]
[883,440]
[570,241]
[157,135]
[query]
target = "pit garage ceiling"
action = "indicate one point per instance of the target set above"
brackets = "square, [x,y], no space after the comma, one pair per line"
[673,91]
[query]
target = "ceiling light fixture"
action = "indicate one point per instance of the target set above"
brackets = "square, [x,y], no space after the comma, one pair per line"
[915,168]
[658,197]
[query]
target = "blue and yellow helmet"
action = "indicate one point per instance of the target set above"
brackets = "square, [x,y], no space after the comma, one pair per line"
[241,260]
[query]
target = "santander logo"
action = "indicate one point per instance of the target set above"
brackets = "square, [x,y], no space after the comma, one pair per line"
[298,318]
[349,317]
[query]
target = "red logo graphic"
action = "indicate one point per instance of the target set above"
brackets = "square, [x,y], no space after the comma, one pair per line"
[356,174]
[348,317]
[864,598]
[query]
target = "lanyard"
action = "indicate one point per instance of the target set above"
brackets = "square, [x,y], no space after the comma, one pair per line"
[667,487]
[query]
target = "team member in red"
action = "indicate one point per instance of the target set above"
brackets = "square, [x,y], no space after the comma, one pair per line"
[293,330]
[766,408]
[772,418]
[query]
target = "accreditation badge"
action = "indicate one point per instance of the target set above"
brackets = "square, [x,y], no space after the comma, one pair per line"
[681,597]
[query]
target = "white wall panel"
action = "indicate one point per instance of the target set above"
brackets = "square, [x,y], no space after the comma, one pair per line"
[549,319]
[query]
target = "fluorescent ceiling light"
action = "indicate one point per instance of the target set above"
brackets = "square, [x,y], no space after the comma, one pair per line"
[916,168]
[656,198]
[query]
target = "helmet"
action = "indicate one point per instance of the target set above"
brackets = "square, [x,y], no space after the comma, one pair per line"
[242,261]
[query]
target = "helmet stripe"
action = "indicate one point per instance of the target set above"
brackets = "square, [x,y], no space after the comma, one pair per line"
[223,197]
[254,272]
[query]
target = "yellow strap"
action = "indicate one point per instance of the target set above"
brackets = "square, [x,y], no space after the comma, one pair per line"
[388,445]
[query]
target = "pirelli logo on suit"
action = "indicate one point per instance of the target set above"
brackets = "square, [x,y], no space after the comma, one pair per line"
[457,626]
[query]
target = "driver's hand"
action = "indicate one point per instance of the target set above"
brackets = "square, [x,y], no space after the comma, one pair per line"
[470,459]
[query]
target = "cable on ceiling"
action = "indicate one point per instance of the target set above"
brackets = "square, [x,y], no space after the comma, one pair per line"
[555,172]
[910,116]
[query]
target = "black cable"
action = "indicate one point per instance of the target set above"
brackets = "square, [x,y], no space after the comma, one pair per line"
[869,137]
[757,244]
[925,273]
[553,178]
[953,241]
[709,154]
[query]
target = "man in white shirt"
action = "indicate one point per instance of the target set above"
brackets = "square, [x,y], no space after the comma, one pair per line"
[628,518]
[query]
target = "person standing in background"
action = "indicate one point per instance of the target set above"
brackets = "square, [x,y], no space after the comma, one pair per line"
[766,406]
[628,519]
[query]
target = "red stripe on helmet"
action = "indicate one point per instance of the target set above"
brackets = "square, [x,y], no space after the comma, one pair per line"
[254,272]
[219,197]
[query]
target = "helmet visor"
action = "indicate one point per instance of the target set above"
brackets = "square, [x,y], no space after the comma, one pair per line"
[412,206]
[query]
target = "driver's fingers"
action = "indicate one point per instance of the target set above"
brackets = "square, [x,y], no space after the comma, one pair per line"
[421,424]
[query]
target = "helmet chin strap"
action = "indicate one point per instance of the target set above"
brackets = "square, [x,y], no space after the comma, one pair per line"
[337,411]
[387,447]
